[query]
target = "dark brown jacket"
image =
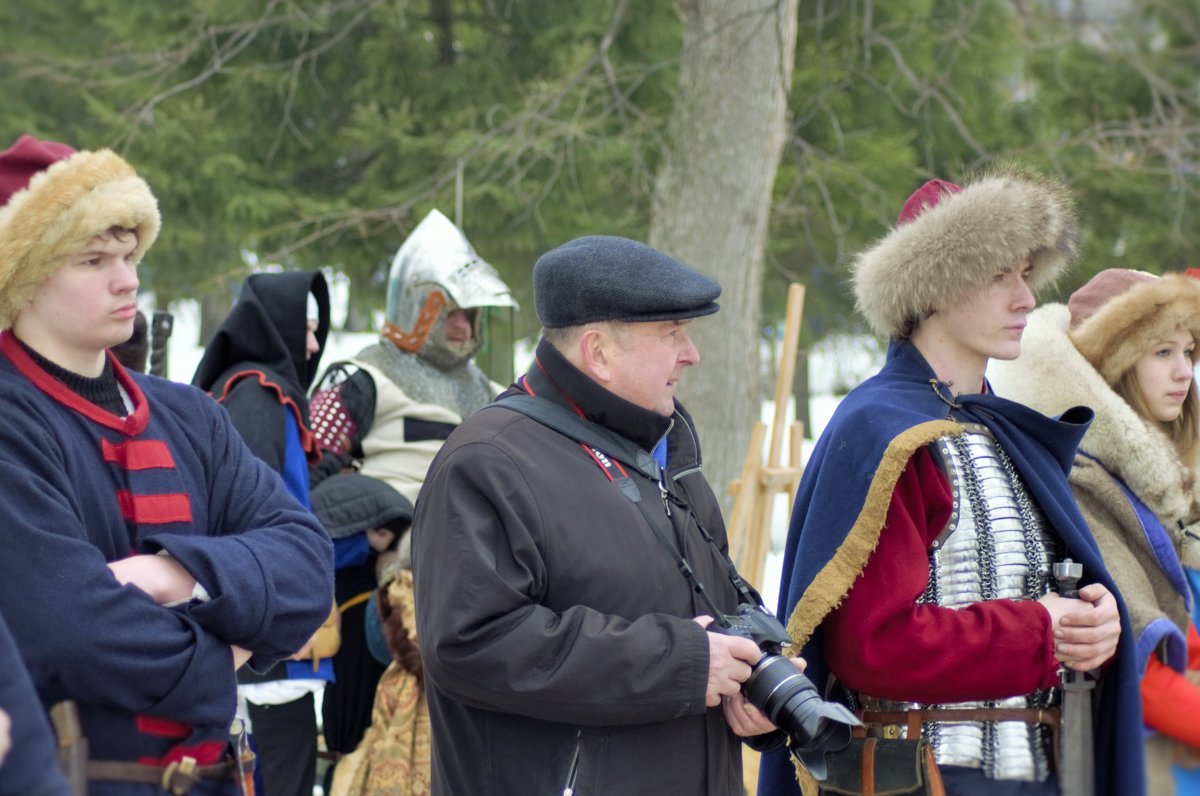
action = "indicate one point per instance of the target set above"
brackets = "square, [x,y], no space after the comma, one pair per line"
[554,623]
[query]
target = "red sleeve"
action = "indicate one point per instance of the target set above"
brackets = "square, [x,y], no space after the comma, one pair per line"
[1170,703]
[881,642]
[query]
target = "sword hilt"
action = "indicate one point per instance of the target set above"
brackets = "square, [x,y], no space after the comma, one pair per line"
[1068,572]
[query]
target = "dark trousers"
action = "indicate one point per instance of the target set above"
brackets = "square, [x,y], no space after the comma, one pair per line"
[286,740]
[961,781]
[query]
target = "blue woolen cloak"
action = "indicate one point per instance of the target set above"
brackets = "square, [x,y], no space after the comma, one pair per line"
[843,502]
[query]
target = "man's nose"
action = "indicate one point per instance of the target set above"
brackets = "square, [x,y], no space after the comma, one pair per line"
[126,277]
[690,354]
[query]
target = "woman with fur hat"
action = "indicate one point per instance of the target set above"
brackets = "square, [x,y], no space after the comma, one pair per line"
[1126,344]
[917,574]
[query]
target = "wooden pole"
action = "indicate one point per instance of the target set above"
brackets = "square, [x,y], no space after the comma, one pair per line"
[754,492]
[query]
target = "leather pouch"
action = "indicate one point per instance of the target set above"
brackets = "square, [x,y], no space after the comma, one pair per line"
[883,767]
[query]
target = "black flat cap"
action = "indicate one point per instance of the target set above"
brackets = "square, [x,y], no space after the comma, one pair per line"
[606,278]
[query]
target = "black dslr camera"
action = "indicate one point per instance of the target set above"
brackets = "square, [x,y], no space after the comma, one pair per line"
[788,698]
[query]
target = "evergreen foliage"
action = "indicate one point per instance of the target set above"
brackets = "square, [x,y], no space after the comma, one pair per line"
[316,133]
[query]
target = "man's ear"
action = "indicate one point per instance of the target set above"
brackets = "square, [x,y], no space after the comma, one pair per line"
[595,355]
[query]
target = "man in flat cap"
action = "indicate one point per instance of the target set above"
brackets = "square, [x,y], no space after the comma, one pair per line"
[564,651]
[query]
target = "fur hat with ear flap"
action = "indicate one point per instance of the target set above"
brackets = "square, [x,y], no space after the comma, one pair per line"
[1119,314]
[950,241]
[53,200]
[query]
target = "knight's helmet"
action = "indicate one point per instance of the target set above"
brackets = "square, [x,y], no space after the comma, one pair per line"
[435,271]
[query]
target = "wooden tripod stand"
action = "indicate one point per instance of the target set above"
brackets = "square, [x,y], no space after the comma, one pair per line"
[754,492]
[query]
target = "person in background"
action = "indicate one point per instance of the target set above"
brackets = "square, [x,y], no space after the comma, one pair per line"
[389,409]
[1126,344]
[917,573]
[563,648]
[366,519]
[134,352]
[259,366]
[28,753]
[147,553]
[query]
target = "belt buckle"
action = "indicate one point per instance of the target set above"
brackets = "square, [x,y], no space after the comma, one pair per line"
[179,776]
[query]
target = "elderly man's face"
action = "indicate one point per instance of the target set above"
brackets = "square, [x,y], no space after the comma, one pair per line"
[647,360]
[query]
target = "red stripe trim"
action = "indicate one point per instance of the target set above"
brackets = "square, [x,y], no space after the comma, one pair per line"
[155,509]
[138,454]
[205,753]
[162,728]
[132,425]
[308,441]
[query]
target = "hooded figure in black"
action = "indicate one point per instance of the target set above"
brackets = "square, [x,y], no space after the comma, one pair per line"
[259,366]
[262,344]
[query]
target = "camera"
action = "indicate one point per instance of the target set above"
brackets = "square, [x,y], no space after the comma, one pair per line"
[788,698]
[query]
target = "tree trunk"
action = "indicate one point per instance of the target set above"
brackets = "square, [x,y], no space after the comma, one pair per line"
[713,198]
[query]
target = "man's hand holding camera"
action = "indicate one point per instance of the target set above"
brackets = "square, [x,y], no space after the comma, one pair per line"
[730,660]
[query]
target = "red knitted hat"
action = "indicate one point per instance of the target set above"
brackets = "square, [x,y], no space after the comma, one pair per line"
[26,158]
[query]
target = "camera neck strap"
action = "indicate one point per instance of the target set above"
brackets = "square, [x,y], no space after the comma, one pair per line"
[608,450]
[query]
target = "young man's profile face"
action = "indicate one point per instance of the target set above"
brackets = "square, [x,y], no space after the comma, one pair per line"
[989,324]
[85,306]
[647,361]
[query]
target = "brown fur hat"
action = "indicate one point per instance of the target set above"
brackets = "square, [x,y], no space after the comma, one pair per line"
[1119,314]
[64,206]
[950,242]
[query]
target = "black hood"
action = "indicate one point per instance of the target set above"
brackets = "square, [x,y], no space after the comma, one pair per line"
[266,329]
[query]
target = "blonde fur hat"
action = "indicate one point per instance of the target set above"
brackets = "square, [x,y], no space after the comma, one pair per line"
[950,241]
[1119,314]
[65,205]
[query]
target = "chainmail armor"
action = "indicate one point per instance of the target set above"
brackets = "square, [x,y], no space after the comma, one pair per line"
[463,388]
[996,546]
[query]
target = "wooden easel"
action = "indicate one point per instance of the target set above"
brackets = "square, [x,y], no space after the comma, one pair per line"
[754,492]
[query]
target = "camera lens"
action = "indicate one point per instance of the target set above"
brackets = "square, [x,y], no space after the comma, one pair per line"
[791,702]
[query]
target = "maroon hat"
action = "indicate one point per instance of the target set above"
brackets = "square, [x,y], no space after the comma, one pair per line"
[1121,314]
[1102,288]
[26,158]
[924,198]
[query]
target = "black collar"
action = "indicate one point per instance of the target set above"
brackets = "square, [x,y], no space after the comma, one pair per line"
[554,378]
[101,390]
